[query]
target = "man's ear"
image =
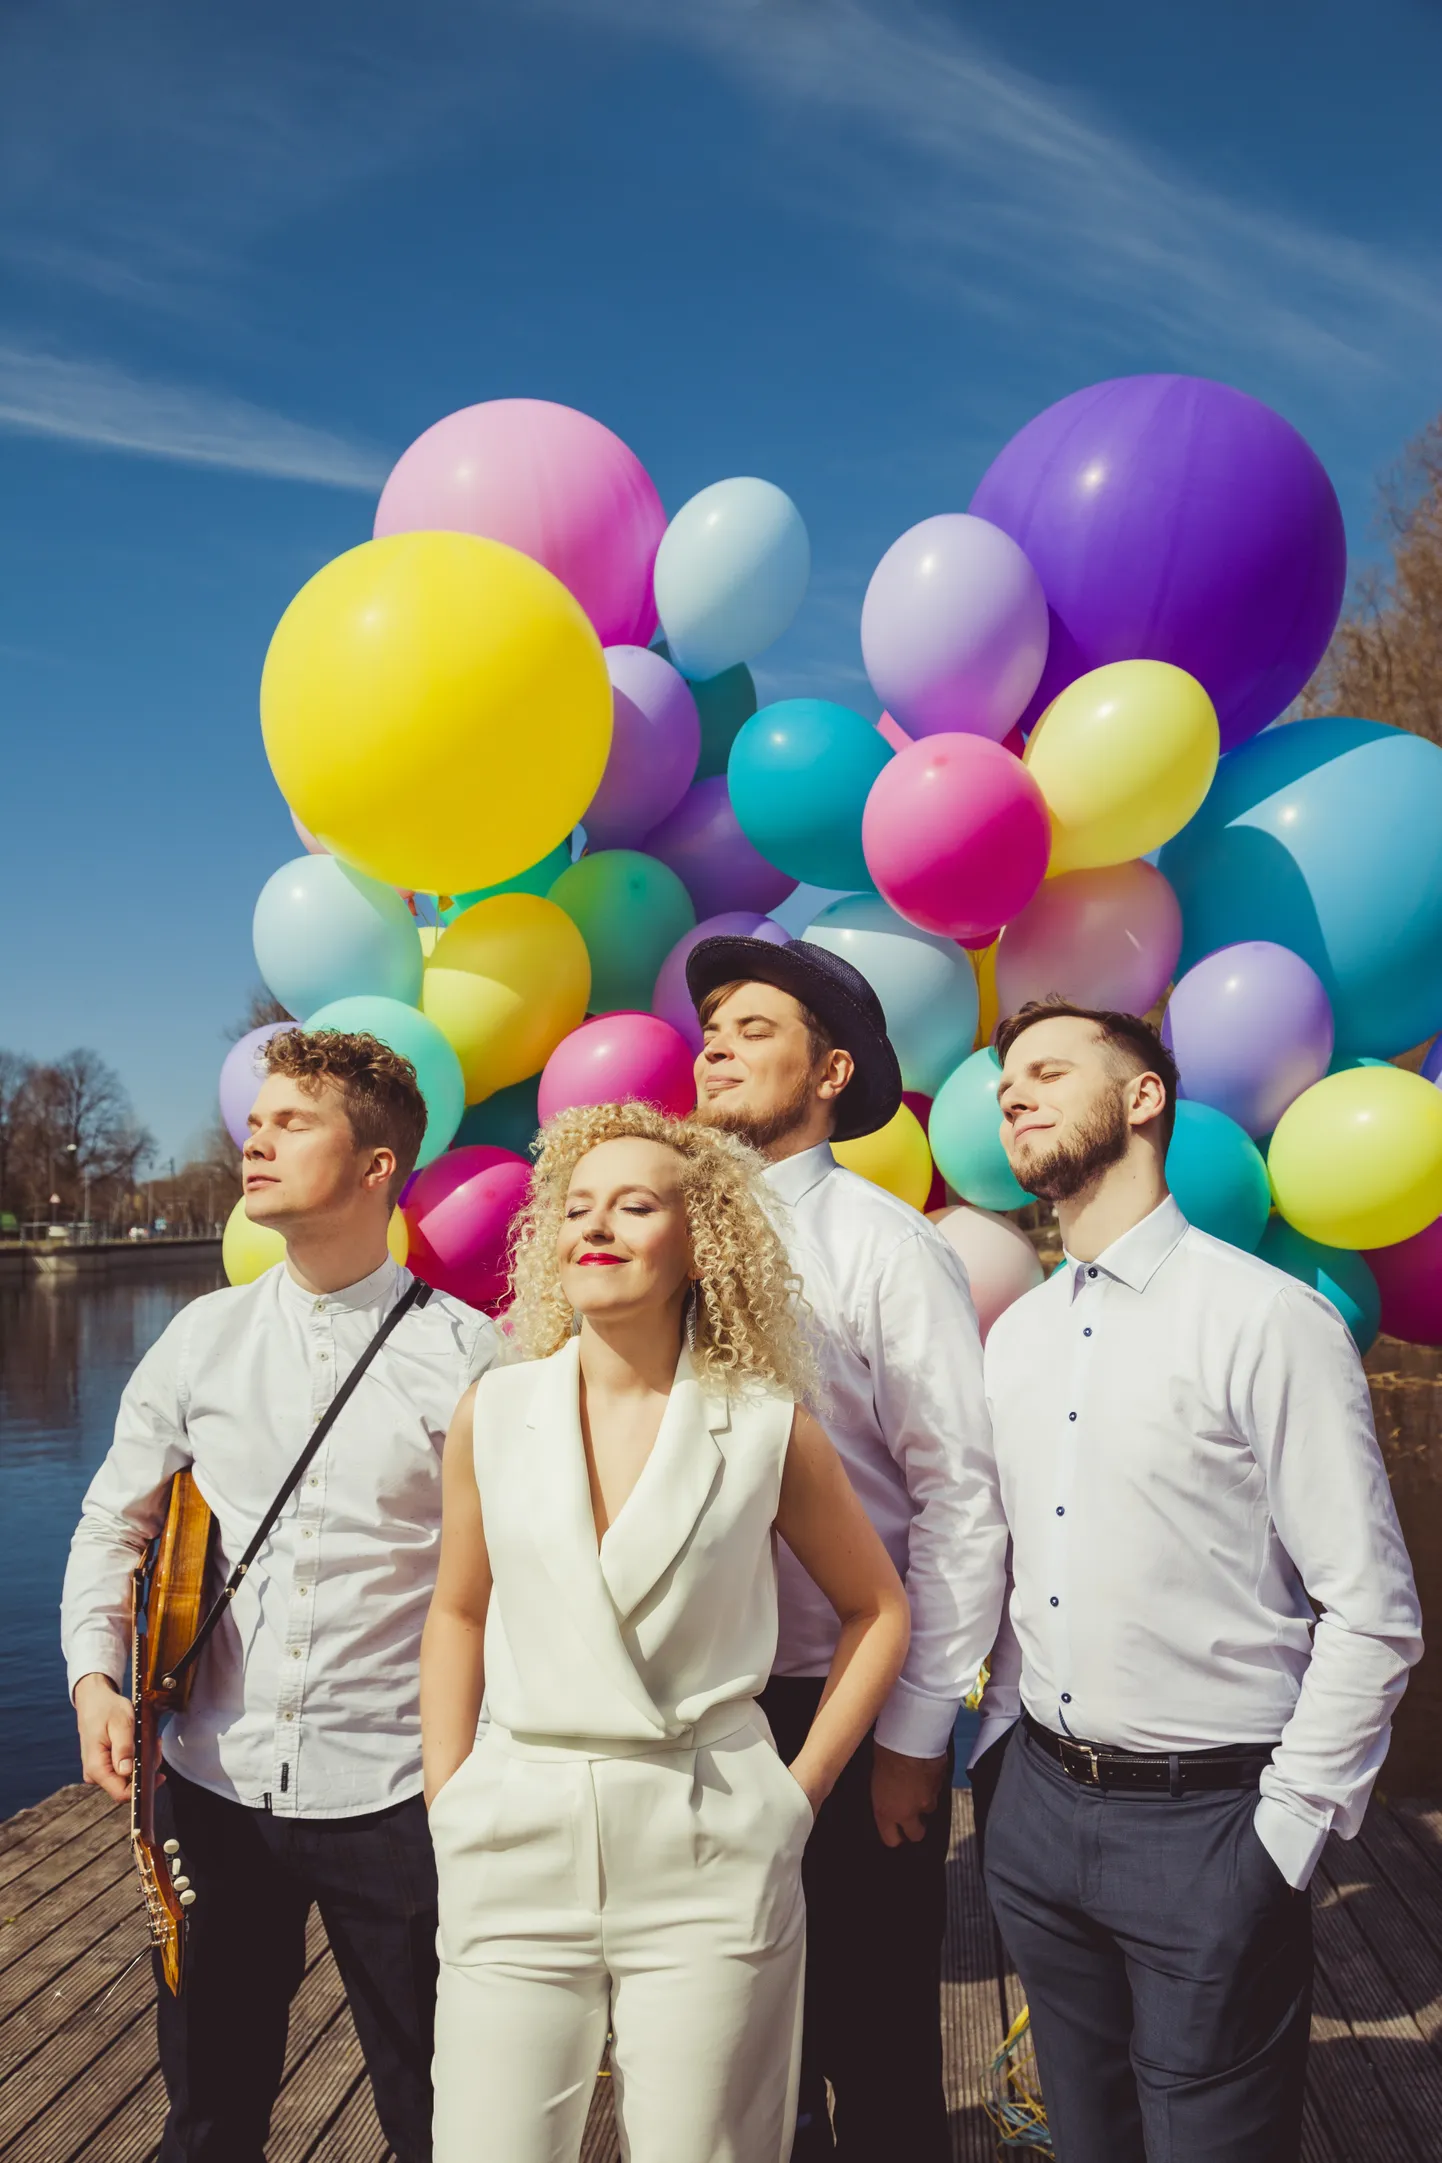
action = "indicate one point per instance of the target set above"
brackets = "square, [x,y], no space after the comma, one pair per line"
[381,1170]
[835,1073]
[1149,1099]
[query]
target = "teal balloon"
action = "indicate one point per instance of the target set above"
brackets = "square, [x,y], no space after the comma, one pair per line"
[323,930]
[539,879]
[1335,1272]
[1343,1062]
[507,1120]
[405,1030]
[799,774]
[1218,1176]
[630,910]
[965,1134]
[724,702]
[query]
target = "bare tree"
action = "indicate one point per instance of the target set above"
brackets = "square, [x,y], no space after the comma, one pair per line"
[262,1009]
[71,1132]
[15,1077]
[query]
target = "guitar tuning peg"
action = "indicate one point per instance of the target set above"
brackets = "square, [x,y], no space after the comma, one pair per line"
[172,1847]
[176,1862]
[187,1899]
[180,1884]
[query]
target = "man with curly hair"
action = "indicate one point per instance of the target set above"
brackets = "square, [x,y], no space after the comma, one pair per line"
[795,1056]
[294,1775]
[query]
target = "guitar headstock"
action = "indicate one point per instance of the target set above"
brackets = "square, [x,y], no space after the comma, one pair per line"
[164,1883]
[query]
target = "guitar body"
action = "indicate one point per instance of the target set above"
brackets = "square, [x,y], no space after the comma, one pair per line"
[169,1587]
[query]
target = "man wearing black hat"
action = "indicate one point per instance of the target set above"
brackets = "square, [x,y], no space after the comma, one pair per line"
[795,1056]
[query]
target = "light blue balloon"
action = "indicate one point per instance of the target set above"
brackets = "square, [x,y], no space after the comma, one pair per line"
[1218,1176]
[799,774]
[438,1070]
[965,1135]
[324,931]
[731,573]
[508,1120]
[1323,836]
[1335,1272]
[925,984]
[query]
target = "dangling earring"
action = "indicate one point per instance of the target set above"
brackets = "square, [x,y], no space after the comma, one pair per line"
[692,1303]
[575,1322]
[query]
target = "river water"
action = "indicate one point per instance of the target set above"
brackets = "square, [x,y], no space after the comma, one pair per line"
[67,1346]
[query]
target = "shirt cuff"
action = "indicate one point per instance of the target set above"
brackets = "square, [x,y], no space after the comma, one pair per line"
[1294,1843]
[915,1725]
[95,1653]
[993,1726]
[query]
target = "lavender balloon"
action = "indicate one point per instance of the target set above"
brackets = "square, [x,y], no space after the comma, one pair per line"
[671,1000]
[703,844]
[1432,1064]
[241,1077]
[655,743]
[954,628]
[1174,519]
[1250,1028]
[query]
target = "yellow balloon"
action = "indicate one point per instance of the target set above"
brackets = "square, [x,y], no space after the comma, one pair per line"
[436,710]
[1356,1160]
[507,980]
[896,1157]
[428,934]
[984,963]
[248,1250]
[1123,757]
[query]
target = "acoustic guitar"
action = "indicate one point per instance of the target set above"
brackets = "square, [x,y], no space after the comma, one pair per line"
[168,1588]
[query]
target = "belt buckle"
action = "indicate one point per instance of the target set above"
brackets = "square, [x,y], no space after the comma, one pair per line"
[1087,1770]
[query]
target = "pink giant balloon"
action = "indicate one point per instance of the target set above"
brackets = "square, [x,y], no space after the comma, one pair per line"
[616,1057]
[550,482]
[1001,1262]
[1105,938]
[1409,1277]
[459,1211]
[956,835]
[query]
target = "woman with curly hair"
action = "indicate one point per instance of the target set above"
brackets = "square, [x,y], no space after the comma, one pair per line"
[623,1845]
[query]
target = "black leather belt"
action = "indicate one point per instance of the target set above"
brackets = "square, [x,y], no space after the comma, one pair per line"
[1178,1772]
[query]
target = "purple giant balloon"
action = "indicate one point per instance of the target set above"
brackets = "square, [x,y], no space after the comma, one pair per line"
[671,1000]
[1250,1028]
[241,1077]
[655,744]
[703,844]
[1173,519]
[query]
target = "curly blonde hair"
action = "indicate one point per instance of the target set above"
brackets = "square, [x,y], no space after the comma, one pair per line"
[749,1313]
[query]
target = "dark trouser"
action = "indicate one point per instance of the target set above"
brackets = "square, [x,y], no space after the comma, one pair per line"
[1166,1961]
[875,1917]
[222,2041]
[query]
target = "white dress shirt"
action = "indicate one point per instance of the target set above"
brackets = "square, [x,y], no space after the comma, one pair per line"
[903,1401]
[1185,1443]
[306,1699]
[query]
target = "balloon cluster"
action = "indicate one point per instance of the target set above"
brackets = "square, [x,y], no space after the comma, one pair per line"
[521,808]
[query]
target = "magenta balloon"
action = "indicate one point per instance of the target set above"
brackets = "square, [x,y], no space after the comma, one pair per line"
[671,1000]
[1250,1028]
[956,835]
[241,1075]
[1409,1277]
[954,628]
[1174,519]
[617,1057]
[702,842]
[1106,938]
[550,482]
[655,744]
[459,1212]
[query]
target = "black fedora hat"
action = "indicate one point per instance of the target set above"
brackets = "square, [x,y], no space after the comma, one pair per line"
[840,998]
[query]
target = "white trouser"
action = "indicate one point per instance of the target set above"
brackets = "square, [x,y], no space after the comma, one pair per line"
[660,1890]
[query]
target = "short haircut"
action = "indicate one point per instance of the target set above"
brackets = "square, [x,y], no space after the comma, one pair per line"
[382,1097]
[822,1042]
[1124,1032]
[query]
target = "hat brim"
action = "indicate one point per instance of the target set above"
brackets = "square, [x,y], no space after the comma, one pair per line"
[872,1095]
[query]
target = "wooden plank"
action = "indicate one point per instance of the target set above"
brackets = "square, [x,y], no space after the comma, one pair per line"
[69,2116]
[1399,1913]
[1377,2016]
[1351,2098]
[45,1914]
[43,1872]
[131,2134]
[353,2134]
[1422,1821]
[47,1829]
[63,1971]
[600,2143]
[328,2071]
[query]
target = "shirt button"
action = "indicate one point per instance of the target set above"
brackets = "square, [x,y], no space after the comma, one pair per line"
[1071,1415]
[307,1534]
[304,1589]
[1086,1332]
[323,1355]
[313,1481]
[1060,1510]
[290,1716]
[295,1649]
[1054,1601]
[1091,1272]
[320,1306]
[1066,1697]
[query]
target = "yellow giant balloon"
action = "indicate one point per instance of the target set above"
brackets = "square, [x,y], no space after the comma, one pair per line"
[1356,1160]
[896,1157]
[436,710]
[506,981]
[248,1250]
[1123,757]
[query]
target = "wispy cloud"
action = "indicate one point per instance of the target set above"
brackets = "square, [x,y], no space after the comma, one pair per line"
[83,401]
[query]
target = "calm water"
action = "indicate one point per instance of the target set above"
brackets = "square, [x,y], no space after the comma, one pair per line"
[67,1347]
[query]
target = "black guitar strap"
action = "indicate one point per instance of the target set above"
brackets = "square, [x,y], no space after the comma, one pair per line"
[415,1296]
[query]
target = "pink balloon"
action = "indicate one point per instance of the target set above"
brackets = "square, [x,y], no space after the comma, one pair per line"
[956,835]
[1409,1277]
[893,733]
[617,1057]
[550,482]
[313,847]
[655,744]
[1106,938]
[459,1211]
[1015,742]
[1001,1262]
[671,1000]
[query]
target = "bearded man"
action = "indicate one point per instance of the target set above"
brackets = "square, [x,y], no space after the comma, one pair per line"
[795,1056]
[1213,1616]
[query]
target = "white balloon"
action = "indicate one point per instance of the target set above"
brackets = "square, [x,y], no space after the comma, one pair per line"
[731,573]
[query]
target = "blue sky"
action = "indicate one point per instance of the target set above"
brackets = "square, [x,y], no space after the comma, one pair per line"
[246,255]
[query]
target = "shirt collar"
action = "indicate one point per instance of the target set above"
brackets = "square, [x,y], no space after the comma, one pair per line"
[369,1291]
[1135,1258]
[794,1176]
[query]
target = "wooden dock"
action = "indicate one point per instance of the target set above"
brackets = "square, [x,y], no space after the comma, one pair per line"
[78,2078]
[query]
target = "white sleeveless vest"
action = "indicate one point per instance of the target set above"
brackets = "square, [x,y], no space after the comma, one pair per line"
[677,1612]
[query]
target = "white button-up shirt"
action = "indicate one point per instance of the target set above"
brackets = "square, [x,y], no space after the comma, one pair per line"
[902,1399]
[306,1698]
[1186,1450]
